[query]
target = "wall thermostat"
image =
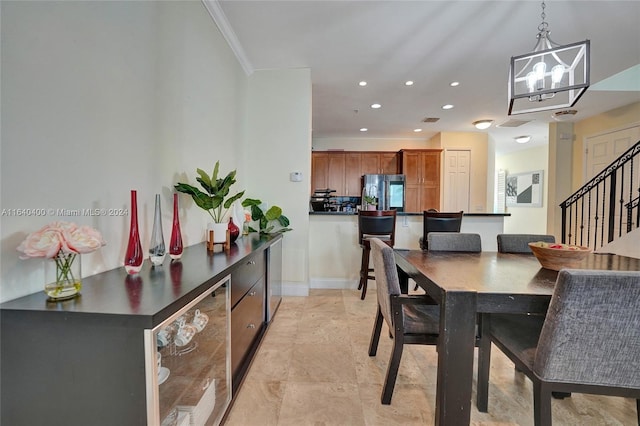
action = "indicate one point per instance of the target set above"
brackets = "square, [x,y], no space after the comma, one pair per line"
[295,177]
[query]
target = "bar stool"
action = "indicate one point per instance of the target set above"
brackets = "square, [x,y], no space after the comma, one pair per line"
[373,224]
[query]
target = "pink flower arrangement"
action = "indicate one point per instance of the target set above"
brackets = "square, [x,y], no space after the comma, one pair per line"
[60,238]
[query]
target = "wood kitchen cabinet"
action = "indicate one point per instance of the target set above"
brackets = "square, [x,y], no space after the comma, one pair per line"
[93,360]
[328,171]
[422,179]
[384,163]
[343,170]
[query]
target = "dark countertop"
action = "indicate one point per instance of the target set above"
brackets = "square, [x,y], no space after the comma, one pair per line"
[152,295]
[400,214]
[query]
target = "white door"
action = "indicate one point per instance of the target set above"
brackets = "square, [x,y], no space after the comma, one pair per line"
[456,180]
[600,151]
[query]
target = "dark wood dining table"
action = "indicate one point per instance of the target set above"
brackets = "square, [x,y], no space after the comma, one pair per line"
[468,284]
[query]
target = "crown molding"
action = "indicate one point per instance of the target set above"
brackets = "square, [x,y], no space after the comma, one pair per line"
[221,21]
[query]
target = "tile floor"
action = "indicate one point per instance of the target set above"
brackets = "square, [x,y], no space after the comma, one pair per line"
[313,369]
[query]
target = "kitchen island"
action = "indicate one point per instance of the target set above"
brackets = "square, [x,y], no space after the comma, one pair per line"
[334,253]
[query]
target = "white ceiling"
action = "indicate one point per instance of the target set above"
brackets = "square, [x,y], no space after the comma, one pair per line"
[432,43]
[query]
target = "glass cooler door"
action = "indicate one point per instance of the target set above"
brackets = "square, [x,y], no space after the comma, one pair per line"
[188,362]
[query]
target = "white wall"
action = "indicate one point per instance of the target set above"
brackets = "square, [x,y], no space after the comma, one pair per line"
[278,142]
[526,220]
[99,98]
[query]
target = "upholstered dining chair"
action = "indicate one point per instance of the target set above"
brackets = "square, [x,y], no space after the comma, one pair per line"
[447,241]
[434,221]
[519,243]
[589,341]
[411,319]
[373,224]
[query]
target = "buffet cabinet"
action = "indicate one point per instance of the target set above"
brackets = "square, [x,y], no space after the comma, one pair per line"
[169,346]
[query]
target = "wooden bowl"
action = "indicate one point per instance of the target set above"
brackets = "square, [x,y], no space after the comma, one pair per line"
[556,256]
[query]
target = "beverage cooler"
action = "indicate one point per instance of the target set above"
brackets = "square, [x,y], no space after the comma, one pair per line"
[389,191]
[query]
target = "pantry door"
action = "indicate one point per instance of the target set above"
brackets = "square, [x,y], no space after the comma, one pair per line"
[456,180]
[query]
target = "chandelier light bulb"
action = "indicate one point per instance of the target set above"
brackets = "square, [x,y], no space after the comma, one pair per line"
[531,81]
[556,74]
[539,70]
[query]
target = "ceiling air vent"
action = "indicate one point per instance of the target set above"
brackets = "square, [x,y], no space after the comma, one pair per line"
[430,119]
[564,115]
[513,123]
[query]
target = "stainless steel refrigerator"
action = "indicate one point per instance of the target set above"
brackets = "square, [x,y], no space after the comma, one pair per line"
[389,191]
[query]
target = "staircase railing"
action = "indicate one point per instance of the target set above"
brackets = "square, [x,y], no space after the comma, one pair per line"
[603,208]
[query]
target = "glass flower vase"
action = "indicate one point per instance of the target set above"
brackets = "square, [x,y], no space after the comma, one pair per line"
[157,249]
[67,281]
[175,244]
[234,230]
[133,258]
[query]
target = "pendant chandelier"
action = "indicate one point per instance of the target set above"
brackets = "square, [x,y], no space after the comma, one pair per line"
[550,77]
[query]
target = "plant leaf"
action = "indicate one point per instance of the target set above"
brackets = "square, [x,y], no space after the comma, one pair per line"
[230,201]
[273,213]
[201,199]
[214,175]
[251,202]
[283,220]
[204,180]
[256,213]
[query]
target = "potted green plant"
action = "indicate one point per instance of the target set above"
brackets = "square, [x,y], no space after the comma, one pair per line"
[215,198]
[370,202]
[270,222]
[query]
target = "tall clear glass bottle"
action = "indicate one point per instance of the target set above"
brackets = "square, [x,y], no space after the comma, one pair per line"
[157,249]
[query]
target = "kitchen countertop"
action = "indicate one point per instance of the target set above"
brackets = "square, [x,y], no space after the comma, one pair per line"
[400,214]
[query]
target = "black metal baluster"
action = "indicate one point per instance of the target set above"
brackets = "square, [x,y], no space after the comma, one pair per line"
[589,221]
[581,220]
[612,206]
[595,233]
[621,200]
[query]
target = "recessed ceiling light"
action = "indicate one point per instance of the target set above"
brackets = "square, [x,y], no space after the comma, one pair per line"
[454,83]
[523,139]
[375,106]
[363,83]
[447,106]
[408,83]
[364,129]
[482,124]
[417,130]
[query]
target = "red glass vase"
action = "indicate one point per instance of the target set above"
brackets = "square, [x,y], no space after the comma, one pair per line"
[175,245]
[134,257]
[234,230]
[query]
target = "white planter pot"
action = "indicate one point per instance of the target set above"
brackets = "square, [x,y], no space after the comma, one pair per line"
[219,231]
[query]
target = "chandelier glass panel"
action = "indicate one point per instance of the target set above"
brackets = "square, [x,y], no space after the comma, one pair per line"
[550,77]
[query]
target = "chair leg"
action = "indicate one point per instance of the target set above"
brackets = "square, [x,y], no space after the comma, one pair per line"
[484,364]
[541,404]
[364,272]
[638,410]
[363,267]
[375,336]
[392,369]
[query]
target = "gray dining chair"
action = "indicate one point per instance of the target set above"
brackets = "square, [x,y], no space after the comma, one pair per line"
[411,319]
[519,243]
[589,341]
[454,241]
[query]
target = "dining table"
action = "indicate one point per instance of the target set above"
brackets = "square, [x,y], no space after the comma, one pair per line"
[467,286]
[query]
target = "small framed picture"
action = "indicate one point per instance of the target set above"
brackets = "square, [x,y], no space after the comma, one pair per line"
[524,189]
